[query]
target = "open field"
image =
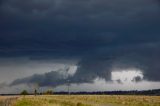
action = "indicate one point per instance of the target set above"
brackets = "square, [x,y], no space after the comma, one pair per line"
[82,100]
[8,100]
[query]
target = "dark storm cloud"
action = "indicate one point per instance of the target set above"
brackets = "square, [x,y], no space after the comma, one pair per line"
[48,79]
[137,79]
[90,67]
[103,34]
[86,73]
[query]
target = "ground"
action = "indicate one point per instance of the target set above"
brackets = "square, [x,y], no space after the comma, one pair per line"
[80,100]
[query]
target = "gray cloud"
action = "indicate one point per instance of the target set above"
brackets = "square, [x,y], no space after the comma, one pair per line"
[137,79]
[2,85]
[102,34]
[101,66]
[53,78]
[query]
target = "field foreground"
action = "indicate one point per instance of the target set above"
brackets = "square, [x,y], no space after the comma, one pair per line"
[80,100]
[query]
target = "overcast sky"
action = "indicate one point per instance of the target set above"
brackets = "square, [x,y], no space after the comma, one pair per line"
[114,44]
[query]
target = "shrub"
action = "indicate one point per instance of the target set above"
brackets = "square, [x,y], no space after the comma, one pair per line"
[24,92]
[49,92]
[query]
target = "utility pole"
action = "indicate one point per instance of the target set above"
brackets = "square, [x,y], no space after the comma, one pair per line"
[68,87]
[35,92]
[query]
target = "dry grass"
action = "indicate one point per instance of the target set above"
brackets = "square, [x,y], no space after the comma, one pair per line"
[8,100]
[117,100]
[86,100]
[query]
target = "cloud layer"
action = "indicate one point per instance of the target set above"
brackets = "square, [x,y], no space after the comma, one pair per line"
[101,35]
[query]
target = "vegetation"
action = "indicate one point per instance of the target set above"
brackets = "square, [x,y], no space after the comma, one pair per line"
[48,92]
[8,100]
[154,92]
[24,92]
[88,100]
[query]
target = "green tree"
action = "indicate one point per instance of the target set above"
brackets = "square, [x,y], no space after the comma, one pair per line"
[48,92]
[24,92]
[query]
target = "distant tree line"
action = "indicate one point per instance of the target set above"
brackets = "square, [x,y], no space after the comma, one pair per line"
[155,92]
[47,92]
[144,92]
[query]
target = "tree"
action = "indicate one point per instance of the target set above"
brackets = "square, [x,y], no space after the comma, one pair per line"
[49,92]
[24,92]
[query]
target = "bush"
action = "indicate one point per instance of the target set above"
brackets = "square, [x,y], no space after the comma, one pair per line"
[48,92]
[24,92]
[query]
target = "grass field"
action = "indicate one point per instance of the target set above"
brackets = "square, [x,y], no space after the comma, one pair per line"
[82,100]
[8,100]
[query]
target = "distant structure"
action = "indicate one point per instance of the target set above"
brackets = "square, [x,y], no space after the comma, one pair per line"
[68,83]
[35,92]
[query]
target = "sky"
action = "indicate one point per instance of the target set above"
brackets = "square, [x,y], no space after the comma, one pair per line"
[96,45]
